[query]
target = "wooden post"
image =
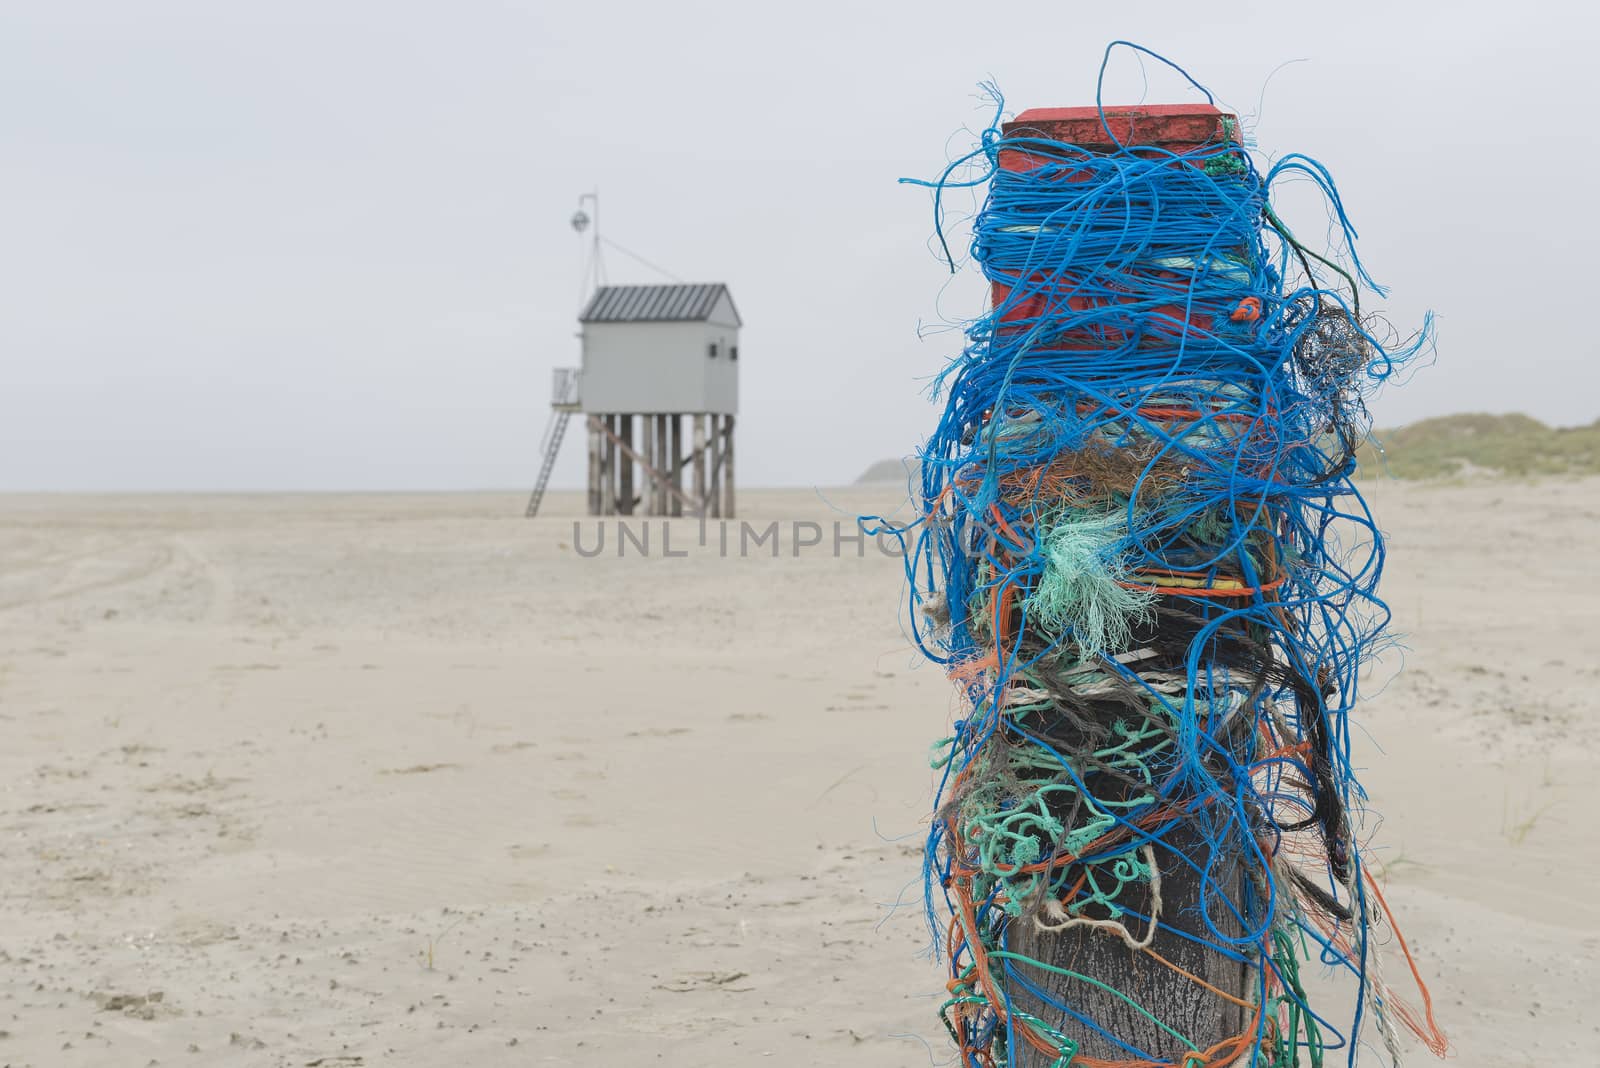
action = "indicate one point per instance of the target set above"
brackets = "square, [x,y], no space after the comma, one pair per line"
[608,466]
[714,460]
[700,460]
[651,490]
[1102,956]
[676,452]
[594,466]
[647,446]
[653,457]
[727,466]
[597,464]
[1203,1017]
[663,464]
[625,470]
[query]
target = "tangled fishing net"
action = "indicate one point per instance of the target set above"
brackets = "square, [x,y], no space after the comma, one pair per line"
[1141,556]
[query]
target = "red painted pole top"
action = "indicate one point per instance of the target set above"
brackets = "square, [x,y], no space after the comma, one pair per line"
[1171,126]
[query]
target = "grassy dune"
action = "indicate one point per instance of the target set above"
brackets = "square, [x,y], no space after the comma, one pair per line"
[1514,445]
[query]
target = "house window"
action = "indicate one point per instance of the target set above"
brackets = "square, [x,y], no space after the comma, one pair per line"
[733,352]
[712,350]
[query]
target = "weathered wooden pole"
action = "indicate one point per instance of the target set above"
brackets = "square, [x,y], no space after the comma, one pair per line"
[608,464]
[593,436]
[700,462]
[1142,557]
[663,466]
[647,456]
[625,466]
[1100,954]
[727,467]
[676,453]
[714,466]
[651,490]
[641,461]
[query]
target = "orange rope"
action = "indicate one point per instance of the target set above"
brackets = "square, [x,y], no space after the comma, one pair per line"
[1429,1032]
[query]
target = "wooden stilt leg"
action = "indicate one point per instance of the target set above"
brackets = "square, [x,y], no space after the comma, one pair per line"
[625,462]
[700,461]
[608,465]
[675,450]
[714,460]
[663,464]
[593,502]
[727,466]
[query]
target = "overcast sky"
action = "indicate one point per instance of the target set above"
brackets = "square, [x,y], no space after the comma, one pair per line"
[325,245]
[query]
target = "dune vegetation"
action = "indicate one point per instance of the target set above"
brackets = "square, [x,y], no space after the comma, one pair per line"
[1509,445]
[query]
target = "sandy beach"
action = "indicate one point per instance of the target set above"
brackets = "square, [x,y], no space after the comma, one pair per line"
[409,780]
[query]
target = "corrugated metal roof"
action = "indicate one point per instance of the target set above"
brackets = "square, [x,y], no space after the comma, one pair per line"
[655,304]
